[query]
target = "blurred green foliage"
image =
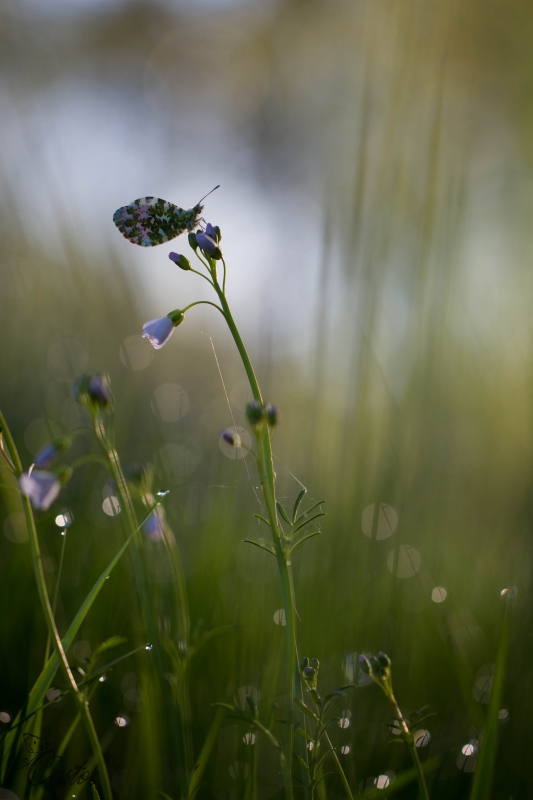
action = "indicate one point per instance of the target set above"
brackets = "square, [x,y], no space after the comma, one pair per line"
[410,123]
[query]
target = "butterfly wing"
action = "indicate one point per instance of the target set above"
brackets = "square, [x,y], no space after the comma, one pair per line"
[150,220]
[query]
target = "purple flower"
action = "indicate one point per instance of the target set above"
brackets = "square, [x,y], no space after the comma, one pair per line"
[180,260]
[155,527]
[41,487]
[208,245]
[231,437]
[158,331]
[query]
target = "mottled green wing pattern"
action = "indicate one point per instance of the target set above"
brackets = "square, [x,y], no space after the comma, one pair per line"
[150,220]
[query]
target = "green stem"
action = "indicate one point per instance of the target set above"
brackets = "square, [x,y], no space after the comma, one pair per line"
[266,473]
[202,303]
[126,503]
[410,742]
[83,706]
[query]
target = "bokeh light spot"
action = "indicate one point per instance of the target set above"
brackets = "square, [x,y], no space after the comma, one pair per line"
[404,561]
[171,402]
[381,527]
[15,528]
[439,594]
[111,506]
[136,353]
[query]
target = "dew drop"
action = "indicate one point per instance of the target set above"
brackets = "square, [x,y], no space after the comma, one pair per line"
[149,647]
[163,492]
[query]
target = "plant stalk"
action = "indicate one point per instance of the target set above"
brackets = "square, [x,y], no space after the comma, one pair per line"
[83,705]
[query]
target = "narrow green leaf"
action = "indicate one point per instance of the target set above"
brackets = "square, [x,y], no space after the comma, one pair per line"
[263,519]
[283,513]
[299,499]
[304,539]
[227,706]
[308,521]
[304,735]
[94,792]
[262,546]
[301,761]
[305,709]
[481,790]
[203,758]
[309,510]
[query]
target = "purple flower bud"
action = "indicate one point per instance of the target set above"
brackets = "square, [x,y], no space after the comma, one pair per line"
[208,246]
[255,412]
[384,660]
[41,487]
[48,453]
[93,391]
[364,664]
[308,672]
[214,232]
[271,415]
[231,437]
[180,260]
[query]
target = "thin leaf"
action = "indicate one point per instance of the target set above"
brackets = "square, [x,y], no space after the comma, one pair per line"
[304,735]
[283,514]
[483,775]
[309,510]
[301,761]
[325,775]
[262,546]
[263,519]
[305,709]
[308,522]
[94,792]
[203,758]
[299,499]
[303,539]
[227,706]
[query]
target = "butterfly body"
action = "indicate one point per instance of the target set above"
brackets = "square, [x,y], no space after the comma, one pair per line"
[149,221]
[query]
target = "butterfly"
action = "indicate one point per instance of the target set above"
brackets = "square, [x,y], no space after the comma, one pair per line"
[150,220]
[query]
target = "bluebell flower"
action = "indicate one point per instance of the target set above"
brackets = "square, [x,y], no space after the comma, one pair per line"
[180,260]
[158,331]
[41,487]
[208,246]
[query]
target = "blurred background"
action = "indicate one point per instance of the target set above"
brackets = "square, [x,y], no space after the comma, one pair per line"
[375,160]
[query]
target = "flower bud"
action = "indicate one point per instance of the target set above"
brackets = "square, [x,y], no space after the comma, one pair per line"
[271,415]
[64,473]
[384,660]
[255,412]
[304,662]
[364,663]
[309,673]
[93,391]
[180,261]
[192,241]
[47,454]
[208,246]
[231,437]
[315,663]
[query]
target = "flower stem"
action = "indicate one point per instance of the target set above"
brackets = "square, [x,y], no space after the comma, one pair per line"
[407,736]
[83,706]
[266,473]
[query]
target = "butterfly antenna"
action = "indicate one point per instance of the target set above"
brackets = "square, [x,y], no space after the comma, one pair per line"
[207,195]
